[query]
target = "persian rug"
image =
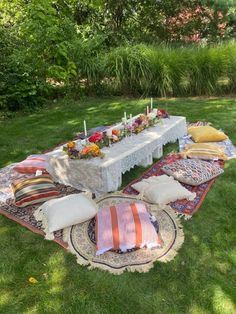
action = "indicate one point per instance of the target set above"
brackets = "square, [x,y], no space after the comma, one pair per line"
[184,207]
[81,241]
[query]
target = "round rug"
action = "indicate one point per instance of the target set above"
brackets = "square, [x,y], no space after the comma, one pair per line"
[81,241]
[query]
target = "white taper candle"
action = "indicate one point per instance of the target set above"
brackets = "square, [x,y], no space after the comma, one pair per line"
[85,129]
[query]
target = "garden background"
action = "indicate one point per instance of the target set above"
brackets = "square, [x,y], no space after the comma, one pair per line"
[63,61]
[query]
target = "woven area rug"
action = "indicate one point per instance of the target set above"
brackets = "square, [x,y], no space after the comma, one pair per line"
[81,241]
[184,208]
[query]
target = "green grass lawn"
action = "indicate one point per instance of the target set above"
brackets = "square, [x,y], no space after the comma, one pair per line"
[202,277]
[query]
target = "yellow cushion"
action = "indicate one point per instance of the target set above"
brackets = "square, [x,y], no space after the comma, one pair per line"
[206,133]
[204,151]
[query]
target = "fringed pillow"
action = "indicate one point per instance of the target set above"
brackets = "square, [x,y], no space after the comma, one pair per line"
[64,212]
[162,190]
[204,151]
[124,227]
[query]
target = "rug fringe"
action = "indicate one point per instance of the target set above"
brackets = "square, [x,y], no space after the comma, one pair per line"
[138,268]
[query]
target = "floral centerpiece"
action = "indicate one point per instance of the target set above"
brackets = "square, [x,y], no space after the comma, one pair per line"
[88,151]
[106,138]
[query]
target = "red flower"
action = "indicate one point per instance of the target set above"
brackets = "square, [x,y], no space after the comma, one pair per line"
[162,113]
[96,137]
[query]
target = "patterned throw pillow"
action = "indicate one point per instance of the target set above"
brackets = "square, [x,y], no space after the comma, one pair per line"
[192,171]
[31,164]
[124,227]
[34,190]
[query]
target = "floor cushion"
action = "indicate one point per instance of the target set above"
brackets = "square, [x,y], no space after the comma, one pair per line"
[163,191]
[205,151]
[34,190]
[31,164]
[125,226]
[64,212]
[201,134]
[192,171]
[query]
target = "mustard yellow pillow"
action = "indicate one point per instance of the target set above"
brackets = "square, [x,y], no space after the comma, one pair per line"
[204,151]
[206,133]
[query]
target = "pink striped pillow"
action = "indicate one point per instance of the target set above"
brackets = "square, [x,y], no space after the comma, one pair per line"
[125,226]
[31,164]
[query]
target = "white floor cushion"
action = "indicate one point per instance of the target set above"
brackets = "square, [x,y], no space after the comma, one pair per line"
[162,190]
[63,212]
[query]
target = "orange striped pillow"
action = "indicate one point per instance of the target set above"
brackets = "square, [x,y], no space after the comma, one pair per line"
[34,190]
[124,227]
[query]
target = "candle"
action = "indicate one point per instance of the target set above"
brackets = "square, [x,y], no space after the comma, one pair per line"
[85,129]
[125,116]
[124,120]
[109,132]
[151,103]
[130,117]
[147,110]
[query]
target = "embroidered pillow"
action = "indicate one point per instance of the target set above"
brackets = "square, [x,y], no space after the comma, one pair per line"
[31,164]
[64,212]
[125,226]
[204,151]
[163,191]
[192,171]
[201,134]
[34,190]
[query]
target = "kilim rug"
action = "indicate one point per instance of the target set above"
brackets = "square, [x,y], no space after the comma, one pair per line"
[182,207]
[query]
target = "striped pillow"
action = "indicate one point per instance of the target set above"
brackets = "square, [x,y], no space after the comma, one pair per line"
[123,227]
[205,151]
[31,164]
[34,190]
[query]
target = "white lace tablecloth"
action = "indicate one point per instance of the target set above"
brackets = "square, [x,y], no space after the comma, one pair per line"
[105,175]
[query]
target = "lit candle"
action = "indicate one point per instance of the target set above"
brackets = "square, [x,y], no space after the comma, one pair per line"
[151,103]
[85,129]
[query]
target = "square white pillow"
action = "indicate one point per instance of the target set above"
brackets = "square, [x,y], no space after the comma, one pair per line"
[162,190]
[144,184]
[64,212]
[165,193]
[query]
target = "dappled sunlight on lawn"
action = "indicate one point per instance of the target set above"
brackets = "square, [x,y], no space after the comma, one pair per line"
[222,303]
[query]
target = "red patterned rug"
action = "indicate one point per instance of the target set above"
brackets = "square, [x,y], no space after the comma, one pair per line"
[182,207]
